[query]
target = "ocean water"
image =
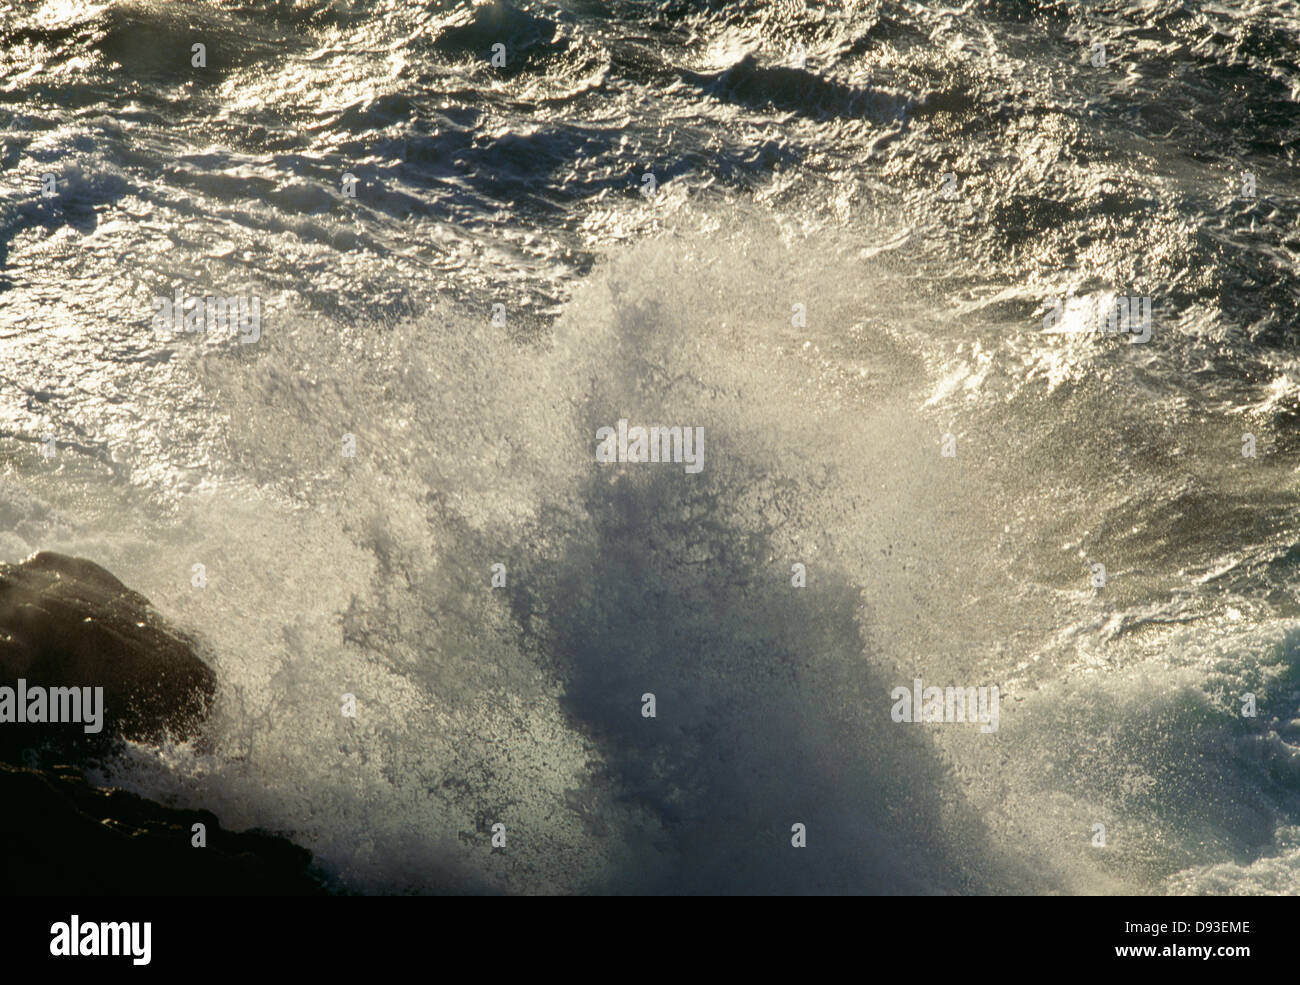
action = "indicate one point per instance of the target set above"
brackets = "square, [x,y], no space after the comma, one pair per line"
[859,219]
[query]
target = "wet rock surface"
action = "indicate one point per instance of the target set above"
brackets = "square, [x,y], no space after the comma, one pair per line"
[61,836]
[65,622]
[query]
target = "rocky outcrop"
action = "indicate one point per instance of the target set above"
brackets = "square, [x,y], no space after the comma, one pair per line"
[61,836]
[66,622]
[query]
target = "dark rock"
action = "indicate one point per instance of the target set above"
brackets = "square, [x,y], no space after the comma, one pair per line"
[61,836]
[66,622]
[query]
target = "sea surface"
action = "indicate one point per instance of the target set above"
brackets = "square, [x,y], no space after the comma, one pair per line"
[860,223]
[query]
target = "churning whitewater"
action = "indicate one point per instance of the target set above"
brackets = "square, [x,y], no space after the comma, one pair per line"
[385,361]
